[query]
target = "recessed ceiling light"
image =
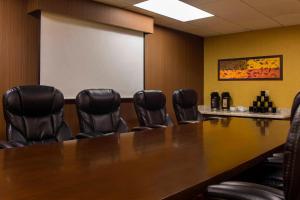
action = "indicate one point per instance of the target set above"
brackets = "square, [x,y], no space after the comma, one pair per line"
[174,9]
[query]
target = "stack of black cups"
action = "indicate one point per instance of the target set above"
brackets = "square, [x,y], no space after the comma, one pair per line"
[263,104]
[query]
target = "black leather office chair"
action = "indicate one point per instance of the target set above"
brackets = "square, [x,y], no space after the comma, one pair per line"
[274,177]
[34,114]
[278,157]
[250,191]
[99,113]
[150,107]
[186,107]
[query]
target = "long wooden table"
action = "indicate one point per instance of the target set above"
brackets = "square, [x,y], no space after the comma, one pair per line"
[175,162]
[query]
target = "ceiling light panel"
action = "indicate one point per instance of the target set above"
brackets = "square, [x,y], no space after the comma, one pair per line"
[174,9]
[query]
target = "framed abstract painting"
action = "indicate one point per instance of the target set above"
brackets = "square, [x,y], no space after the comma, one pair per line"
[251,68]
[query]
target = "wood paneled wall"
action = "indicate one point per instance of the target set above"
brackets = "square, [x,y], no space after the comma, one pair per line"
[19,48]
[173,60]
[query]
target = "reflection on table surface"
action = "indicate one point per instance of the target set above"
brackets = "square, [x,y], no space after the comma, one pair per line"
[143,165]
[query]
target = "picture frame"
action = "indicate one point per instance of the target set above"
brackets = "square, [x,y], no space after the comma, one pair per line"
[251,68]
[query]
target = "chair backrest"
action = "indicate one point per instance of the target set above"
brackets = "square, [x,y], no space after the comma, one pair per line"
[185,105]
[292,160]
[295,105]
[34,114]
[150,107]
[99,111]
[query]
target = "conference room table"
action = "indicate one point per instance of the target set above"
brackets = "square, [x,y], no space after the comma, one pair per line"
[168,163]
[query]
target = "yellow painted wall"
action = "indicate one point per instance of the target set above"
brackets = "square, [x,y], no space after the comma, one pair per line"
[284,41]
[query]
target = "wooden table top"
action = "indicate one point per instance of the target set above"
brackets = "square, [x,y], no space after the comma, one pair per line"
[157,164]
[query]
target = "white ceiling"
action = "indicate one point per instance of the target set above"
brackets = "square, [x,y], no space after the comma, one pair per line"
[231,16]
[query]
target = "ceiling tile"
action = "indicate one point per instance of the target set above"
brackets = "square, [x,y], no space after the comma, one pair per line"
[181,26]
[258,23]
[219,25]
[239,13]
[289,19]
[203,32]
[231,16]
[275,8]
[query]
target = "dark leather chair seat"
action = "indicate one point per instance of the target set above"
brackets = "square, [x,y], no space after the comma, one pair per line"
[150,107]
[34,114]
[99,113]
[291,179]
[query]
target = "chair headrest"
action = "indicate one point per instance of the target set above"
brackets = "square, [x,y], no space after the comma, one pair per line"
[33,100]
[150,99]
[98,101]
[185,98]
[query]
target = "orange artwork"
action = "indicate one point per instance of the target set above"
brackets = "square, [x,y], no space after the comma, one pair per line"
[254,68]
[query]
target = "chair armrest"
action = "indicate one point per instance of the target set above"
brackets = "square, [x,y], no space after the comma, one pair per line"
[144,128]
[157,126]
[17,144]
[244,191]
[140,128]
[9,145]
[212,118]
[91,135]
[188,122]
[5,145]
[275,191]
[83,136]
[64,133]
[123,127]
[278,155]
[275,160]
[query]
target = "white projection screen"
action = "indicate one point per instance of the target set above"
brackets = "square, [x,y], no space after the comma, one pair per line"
[77,55]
